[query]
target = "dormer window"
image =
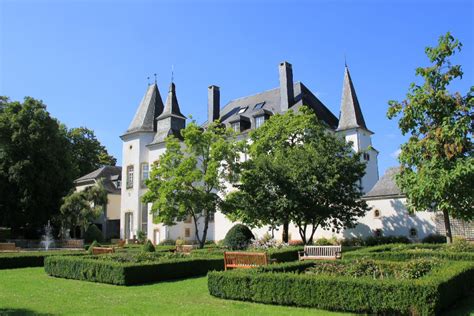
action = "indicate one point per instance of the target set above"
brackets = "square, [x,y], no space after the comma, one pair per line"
[366,156]
[259,120]
[119,184]
[242,110]
[258,106]
[236,127]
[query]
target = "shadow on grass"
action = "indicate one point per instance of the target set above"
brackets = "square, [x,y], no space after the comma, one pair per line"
[462,307]
[20,311]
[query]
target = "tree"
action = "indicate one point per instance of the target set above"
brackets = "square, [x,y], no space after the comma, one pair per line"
[298,172]
[188,177]
[35,165]
[437,160]
[81,208]
[88,153]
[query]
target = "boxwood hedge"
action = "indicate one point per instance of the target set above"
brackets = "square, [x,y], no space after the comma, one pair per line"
[30,259]
[89,269]
[425,296]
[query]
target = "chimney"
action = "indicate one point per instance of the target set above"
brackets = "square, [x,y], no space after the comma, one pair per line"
[287,95]
[213,103]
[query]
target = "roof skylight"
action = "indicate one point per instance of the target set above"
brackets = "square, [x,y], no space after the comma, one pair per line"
[242,110]
[258,106]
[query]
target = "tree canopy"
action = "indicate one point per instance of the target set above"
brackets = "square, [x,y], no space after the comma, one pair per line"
[39,159]
[87,152]
[437,160]
[188,177]
[298,171]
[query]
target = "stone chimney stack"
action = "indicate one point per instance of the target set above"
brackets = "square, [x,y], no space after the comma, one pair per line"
[287,95]
[213,103]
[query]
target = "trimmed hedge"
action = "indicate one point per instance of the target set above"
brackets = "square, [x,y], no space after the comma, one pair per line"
[94,270]
[30,259]
[285,254]
[399,252]
[424,296]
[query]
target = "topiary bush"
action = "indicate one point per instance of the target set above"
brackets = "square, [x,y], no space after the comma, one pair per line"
[93,233]
[141,236]
[238,237]
[148,247]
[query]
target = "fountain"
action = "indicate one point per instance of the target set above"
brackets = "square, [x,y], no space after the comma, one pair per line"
[47,239]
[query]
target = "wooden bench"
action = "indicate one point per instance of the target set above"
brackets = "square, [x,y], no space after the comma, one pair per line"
[320,253]
[102,250]
[244,260]
[8,246]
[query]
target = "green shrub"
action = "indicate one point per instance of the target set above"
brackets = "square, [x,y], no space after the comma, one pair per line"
[94,244]
[326,242]
[104,271]
[148,247]
[460,245]
[93,233]
[30,259]
[353,242]
[238,237]
[141,236]
[285,254]
[381,240]
[168,242]
[434,239]
[425,296]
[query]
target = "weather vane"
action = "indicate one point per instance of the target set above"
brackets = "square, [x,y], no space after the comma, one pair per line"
[155,77]
[172,73]
[148,80]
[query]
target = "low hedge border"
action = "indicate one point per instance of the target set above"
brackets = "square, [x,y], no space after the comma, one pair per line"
[425,296]
[93,270]
[411,254]
[16,260]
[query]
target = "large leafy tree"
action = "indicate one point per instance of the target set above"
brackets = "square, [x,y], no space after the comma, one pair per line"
[88,153]
[36,168]
[437,160]
[188,178]
[81,208]
[298,172]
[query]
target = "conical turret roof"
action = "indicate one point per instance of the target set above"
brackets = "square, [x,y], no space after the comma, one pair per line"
[351,114]
[149,109]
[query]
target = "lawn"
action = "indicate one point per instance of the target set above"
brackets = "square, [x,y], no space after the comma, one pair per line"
[30,290]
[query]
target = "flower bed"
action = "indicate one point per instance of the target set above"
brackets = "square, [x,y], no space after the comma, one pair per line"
[425,295]
[130,269]
[13,260]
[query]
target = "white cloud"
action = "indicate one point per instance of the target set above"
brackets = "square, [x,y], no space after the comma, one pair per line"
[396,153]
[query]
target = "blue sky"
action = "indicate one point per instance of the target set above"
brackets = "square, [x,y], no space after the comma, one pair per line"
[88,60]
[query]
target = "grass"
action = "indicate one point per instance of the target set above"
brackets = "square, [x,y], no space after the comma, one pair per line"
[31,291]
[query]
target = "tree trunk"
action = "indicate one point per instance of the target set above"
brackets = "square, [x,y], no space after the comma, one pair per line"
[204,231]
[284,236]
[447,226]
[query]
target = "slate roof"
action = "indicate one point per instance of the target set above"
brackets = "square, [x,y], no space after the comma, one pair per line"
[150,107]
[386,186]
[271,98]
[107,173]
[351,114]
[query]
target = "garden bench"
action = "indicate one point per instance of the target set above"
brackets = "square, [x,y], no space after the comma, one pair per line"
[244,260]
[320,253]
[8,246]
[102,250]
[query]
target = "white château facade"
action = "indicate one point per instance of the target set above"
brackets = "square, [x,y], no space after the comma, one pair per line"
[143,143]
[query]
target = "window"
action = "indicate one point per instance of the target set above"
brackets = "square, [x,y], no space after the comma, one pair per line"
[145,173]
[258,106]
[376,213]
[413,233]
[366,156]
[259,120]
[119,184]
[144,217]
[129,177]
[187,232]
[378,232]
[242,110]
[236,127]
